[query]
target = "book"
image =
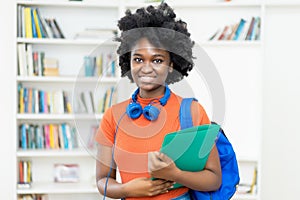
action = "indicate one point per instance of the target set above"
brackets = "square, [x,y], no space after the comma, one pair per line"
[50,67]
[34,28]
[60,33]
[47,30]
[22,60]
[239,29]
[250,28]
[37,24]
[28,22]
[66,172]
[224,33]
[44,33]
[53,29]
[189,148]
[213,37]
[234,28]
[29,55]
[19,20]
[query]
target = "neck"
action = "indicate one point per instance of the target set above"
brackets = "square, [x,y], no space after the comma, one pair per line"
[153,93]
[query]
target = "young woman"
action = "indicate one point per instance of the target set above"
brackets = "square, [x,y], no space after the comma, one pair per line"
[155,50]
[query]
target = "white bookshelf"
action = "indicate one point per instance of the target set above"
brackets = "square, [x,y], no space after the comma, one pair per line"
[242,57]
[72,17]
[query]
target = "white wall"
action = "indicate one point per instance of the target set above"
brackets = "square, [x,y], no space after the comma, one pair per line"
[281,109]
[7,89]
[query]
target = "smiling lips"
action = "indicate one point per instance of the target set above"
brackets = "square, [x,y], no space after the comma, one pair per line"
[147,79]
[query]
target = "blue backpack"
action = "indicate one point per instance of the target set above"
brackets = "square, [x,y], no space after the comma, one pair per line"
[229,166]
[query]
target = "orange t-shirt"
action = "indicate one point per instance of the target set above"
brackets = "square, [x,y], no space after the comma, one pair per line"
[136,137]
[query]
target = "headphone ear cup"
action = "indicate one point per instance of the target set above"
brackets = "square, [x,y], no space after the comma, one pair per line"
[151,112]
[134,110]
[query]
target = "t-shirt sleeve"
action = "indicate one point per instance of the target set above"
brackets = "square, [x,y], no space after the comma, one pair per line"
[106,130]
[199,114]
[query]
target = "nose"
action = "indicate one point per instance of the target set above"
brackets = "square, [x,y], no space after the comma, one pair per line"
[147,67]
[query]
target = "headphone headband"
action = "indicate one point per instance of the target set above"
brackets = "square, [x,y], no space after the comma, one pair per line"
[150,112]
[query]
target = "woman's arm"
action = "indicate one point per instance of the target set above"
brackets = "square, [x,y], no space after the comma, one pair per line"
[209,179]
[139,187]
[103,165]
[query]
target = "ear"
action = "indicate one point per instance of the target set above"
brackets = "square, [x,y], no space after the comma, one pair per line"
[171,68]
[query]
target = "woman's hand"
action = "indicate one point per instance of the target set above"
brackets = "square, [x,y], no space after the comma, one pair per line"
[141,187]
[161,166]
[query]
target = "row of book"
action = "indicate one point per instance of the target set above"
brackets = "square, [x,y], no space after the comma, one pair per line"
[109,99]
[25,173]
[34,63]
[47,136]
[103,65]
[32,25]
[33,197]
[32,100]
[85,101]
[242,30]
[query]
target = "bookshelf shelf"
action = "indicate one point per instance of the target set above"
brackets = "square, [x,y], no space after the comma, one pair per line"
[201,4]
[245,197]
[64,3]
[231,43]
[47,41]
[59,188]
[53,153]
[66,79]
[58,116]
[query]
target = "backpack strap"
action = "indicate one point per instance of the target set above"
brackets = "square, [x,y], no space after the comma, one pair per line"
[185,116]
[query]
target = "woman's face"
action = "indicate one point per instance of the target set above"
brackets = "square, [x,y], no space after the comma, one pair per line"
[149,67]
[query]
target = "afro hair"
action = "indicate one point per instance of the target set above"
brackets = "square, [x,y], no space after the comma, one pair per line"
[160,26]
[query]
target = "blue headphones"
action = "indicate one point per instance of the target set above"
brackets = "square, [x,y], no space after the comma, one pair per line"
[150,112]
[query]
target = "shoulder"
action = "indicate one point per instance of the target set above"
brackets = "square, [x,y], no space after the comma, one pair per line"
[199,114]
[116,111]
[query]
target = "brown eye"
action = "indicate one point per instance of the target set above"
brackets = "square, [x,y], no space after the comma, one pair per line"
[158,61]
[138,60]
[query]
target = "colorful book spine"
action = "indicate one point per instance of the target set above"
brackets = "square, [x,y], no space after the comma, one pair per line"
[239,29]
[28,22]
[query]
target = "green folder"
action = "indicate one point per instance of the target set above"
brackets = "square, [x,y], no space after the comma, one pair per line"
[190,148]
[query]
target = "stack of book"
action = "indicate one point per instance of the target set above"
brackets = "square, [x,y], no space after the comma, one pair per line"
[32,25]
[109,99]
[25,174]
[32,100]
[47,136]
[34,63]
[243,30]
[103,64]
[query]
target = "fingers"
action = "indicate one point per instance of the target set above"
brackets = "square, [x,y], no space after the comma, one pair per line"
[161,186]
[154,162]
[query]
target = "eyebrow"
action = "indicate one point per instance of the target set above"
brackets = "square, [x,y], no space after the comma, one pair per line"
[154,55]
